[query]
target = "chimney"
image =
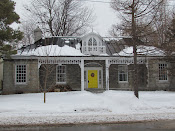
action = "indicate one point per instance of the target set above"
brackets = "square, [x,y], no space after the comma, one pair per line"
[37,34]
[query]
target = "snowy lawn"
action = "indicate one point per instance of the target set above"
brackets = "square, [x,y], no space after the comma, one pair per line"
[85,107]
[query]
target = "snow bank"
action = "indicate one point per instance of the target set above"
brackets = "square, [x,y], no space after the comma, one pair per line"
[141,50]
[85,107]
[52,50]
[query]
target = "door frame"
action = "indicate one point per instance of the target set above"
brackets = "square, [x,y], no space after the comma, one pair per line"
[100,86]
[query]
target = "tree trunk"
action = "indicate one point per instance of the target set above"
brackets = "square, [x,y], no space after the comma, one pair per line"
[44,96]
[135,84]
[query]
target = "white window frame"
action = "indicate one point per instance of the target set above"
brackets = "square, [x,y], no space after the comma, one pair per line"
[25,74]
[126,73]
[166,70]
[61,82]
[92,44]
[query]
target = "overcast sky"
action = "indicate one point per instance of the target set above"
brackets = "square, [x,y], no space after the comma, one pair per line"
[105,16]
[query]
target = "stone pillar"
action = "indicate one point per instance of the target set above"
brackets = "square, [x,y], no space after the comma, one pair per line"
[107,74]
[82,74]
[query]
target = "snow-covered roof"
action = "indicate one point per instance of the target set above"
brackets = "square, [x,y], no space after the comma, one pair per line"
[51,50]
[141,50]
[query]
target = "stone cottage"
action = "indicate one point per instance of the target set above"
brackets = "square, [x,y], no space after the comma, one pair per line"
[84,63]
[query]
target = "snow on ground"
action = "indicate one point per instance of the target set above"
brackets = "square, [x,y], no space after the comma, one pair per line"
[85,107]
[52,50]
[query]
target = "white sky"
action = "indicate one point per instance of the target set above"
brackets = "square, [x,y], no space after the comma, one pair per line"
[105,16]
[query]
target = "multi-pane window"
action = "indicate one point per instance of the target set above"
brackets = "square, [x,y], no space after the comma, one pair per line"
[123,73]
[21,74]
[61,74]
[90,42]
[94,42]
[163,73]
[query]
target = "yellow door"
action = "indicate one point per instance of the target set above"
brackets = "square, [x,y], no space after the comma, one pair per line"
[92,79]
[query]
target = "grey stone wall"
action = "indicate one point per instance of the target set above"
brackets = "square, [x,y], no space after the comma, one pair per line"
[9,85]
[73,77]
[115,84]
[47,77]
[153,76]
[148,77]
[1,73]
[113,79]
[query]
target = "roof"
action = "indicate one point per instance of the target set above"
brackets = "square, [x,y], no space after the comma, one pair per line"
[67,46]
[92,33]
[141,50]
[51,50]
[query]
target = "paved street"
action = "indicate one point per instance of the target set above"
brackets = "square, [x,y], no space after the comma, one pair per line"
[147,126]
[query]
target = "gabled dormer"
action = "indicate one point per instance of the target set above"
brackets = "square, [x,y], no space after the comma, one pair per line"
[92,44]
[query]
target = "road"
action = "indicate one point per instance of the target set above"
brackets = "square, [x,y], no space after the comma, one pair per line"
[145,126]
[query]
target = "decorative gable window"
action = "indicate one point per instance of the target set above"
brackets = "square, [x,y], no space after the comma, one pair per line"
[123,73]
[163,72]
[90,42]
[94,42]
[93,45]
[61,74]
[21,73]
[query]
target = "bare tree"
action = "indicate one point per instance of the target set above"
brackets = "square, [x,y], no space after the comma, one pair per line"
[46,72]
[137,18]
[28,28]
[60,17]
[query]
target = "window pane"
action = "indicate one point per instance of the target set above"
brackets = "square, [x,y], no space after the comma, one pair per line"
[61,73]
[123,73]
[90,42]
[163,75]
[94,42]
[20,73]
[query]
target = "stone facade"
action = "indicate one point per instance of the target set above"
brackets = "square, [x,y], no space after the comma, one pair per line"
[73,77]
[153,76]
[1,73]
[128,85]
[148,76]
[32,82]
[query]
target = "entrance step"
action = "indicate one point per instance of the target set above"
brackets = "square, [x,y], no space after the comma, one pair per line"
[122,89]
[96,90]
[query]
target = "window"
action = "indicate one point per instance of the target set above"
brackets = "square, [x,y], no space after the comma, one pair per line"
[61,74]
[163,73]
[123,73]
[94,42]
[90,42]
[21,74]
[90,48]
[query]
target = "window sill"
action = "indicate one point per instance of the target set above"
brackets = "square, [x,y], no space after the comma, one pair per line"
[61,83]
[20,83]
[122,82]
[163,81]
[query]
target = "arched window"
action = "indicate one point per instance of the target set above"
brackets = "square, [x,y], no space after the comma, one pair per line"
[90,42]
[94,42]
